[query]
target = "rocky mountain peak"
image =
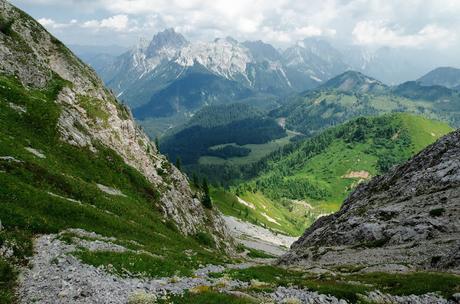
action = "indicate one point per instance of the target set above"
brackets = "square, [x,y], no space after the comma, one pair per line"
[166,41]
[262,51]
[407,218]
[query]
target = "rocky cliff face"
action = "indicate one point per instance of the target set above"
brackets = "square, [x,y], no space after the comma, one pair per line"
[34,57]
[408,218]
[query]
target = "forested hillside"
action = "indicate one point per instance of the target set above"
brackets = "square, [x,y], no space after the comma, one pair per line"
[315,175]
[217,125]
[351,95]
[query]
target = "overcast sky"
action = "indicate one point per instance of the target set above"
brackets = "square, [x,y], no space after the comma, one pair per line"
[414,24]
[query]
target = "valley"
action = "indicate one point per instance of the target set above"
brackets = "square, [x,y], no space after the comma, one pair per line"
[223,171]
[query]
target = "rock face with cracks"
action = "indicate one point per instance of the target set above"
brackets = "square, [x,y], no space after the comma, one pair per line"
[407,218]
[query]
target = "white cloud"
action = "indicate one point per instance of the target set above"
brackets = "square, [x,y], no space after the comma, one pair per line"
[372,33]
[51,24]
[408,24]
[117,23]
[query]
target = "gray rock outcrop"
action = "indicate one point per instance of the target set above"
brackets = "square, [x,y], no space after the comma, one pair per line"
[405,219]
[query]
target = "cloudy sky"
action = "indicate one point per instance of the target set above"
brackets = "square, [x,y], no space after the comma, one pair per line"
[413,24]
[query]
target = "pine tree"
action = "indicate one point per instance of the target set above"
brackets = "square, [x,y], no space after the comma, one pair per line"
[178,163]
[195,180]
[206,200]
[157,144]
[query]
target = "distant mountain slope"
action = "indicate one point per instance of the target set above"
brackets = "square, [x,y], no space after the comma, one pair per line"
[312,60]
[354,82]
[416,91]
[405,219]
[444,76]
[320,172]
[190,93]
[353,94]
[217,125]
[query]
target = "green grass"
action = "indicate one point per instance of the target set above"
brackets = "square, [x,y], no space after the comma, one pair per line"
[94,109]
[136,264]
[258,151]
[349,286]
[424,131]
[254,253]
[7,279]
[38,194]
[208,297]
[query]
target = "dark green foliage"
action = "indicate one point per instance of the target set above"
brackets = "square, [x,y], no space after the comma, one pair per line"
[157,144]
[205,239]
[415,90]
[229,151]
[206,200]
[178,163]
[5,26]
[437,212]
[386,162]
[217,125]
[254,253]
[195,181]
[279,182]
[7,278]
[316,110]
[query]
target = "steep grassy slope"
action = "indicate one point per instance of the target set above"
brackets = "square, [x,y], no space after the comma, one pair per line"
[48,185]
[72,157]
[312,177]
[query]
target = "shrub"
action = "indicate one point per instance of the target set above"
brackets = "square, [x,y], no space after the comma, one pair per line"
[205,239]
[437,212]
[5,26]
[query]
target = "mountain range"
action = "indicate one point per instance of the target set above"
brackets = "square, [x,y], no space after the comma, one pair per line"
[169,78]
